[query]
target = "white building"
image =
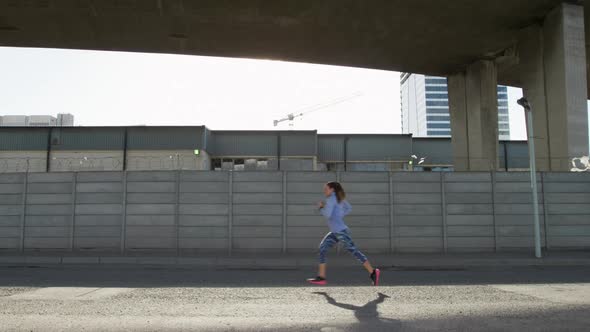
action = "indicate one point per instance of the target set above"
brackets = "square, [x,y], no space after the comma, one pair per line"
[425,107]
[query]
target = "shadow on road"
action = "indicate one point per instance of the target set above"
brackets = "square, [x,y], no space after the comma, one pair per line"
[367,315]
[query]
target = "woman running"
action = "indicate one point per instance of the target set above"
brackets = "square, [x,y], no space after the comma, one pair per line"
[334,208]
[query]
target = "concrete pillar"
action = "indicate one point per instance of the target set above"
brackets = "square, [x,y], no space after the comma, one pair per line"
[473,106]
[565,85]
[533,85]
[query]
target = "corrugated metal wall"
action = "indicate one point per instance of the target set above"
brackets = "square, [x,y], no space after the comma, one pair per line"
[23,139]
[191,211]
[87,138]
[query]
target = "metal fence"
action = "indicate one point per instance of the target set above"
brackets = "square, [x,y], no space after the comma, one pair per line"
[188,212]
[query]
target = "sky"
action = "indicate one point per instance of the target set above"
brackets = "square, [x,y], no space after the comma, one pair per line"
[117,88]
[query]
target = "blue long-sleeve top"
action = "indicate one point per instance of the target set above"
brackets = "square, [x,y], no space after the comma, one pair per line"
[335,212]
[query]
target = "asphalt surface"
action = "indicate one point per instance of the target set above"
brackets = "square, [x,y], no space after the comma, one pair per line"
[86,298]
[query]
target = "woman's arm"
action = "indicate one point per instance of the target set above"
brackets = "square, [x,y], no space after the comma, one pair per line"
[328,208]
[346,208]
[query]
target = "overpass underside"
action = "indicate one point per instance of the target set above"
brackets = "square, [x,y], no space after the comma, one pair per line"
[538,45]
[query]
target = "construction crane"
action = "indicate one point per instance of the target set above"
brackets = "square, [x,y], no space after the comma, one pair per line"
[309,109]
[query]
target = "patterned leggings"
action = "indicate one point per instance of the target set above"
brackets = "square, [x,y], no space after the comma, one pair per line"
[344,236]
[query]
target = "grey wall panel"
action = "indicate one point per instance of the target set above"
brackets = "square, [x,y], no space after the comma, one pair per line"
[99,187]
[8,232]
[369,210]
[99,198]
[45,220]
[150,209]
[150,220]
[567,198]
[470,243]
[257,243]
[257,232]
[151,231]
[418,220]
[204,198]
[203,232]
[579,219]
[9,243]
[258,177]
[516,209]
[105,243]
[418,231]
[258,187]
[418,244]
[257,220]
[517,231]
[204,209]
[407,198]
[138,198]
[9,221]
[192,220]
[468,198]
[357,198]
[10,210]
[415,177]
[258,209]
[49,198]
[302,221]
[253,198]
[307,244]
[516,187]
[151,176]
[567,177]
[203,187]
[49,210]
[515,219]
[470,231]
[35,231]
[12,178]
[469,209]
[417,209]
[367,187]
[470,220]
[569,242]
[510,198]
[363,221]
[515,177]
[150,187]
[513,243]
[204,176]
[98,220]
[364,177]
[50,177]
[468,187]
[312,232]
[150,243]
[8,199]
[467,177]
[302,210]
[371,245]
[95,209]
[404,187]
[47,243]
[562,209]
[577,230]
[99,177]
[194,243]
[316,177]
[11,188]
[306,187]
[97,231]
[49,188]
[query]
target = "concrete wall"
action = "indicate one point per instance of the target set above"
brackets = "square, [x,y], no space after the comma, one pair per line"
[23,161]
[189,212]
[91,160]
[145,160]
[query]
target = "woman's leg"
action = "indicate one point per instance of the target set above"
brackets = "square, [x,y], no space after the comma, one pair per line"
[327,242]
[349,245]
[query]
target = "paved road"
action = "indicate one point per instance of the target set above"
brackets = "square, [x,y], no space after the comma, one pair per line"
[118,298]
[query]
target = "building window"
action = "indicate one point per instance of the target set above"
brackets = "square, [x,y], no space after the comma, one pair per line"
[436,81]
[438,133]
[438,118]
[430,88]
[437,96]
[438,125]
[437,103]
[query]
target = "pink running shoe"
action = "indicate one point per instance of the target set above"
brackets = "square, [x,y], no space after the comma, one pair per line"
[375,277]
[317,281]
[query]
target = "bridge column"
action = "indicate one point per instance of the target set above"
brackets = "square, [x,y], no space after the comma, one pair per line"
[553,67]
[473,105]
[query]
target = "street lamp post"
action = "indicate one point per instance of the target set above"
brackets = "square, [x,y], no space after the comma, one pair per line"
[531,143]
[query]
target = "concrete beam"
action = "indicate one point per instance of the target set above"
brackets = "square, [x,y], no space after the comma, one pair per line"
[473,104]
